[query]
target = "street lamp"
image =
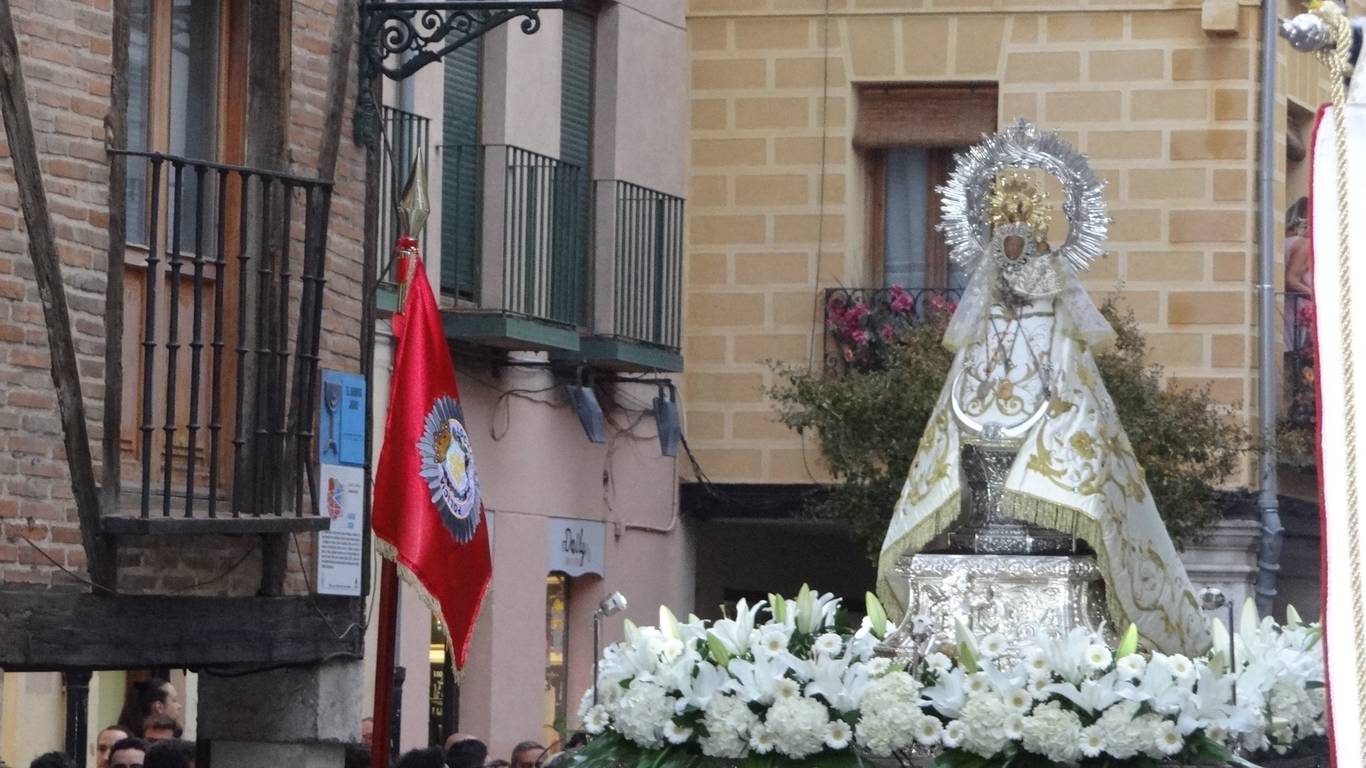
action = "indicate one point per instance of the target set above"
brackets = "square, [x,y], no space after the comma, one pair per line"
[612,604]
[1212,599]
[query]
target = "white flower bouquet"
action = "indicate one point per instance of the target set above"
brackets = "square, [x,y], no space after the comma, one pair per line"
[801,687]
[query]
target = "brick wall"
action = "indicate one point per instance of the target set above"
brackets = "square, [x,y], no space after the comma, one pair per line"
[66,54]
[1166,112]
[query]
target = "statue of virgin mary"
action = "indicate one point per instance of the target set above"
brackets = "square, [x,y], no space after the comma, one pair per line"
[1024,453]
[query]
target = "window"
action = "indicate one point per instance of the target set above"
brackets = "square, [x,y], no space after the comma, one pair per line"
[556,658]
[908,136]
[460,172]
[568,280]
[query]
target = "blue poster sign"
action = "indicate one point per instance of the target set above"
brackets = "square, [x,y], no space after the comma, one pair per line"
[341,422]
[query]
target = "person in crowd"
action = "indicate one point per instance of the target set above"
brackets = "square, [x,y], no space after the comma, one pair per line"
[430,757]
[53,760]
[153,696]
[497,764]
[527,754]
[357,756]
[170,753]
[157,728]
[1298,281]
[455,737]
[467,752]
[128,753]
[367,732]
[105,740]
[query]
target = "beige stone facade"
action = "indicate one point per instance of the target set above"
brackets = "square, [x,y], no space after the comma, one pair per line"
[1165,108]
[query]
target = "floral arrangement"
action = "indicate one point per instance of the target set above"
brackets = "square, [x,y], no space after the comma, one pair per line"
[802,687]
[863,325]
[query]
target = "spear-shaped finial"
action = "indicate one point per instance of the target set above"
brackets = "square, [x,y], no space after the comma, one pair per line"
[413,206]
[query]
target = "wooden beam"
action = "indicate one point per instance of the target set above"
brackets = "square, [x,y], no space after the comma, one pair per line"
[116,135]
[47,271]
[43,630]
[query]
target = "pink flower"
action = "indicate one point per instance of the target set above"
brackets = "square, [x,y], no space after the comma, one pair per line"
[860,337]
[901,302]
[888,332]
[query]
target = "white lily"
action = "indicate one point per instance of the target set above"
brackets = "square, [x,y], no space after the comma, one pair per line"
[756,681]
[736,634]
[812,612]
[838,681]
[1093,695]
[1210,705]
[948,695]
[1159,687]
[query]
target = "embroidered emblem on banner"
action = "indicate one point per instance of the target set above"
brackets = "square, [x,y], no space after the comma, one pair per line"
[448,468]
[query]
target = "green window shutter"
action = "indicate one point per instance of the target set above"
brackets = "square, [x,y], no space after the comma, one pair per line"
[572,187]
[460,173]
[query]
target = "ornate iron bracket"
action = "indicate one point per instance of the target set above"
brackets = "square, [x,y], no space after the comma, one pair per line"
[399,38]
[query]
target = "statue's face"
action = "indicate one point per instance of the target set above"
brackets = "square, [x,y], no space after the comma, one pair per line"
[1013,247]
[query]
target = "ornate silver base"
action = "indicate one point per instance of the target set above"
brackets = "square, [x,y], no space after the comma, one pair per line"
[1015,595]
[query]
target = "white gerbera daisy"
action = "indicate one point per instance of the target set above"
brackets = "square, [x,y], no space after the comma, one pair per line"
[1098,657]
[993,645]
[1182,668]
[1169,740]
[786,688]
[597,720]
[1013,727]
[878,667]
[1037,663]
[978,683]
[1132,666]
[773,640]
[838,734]
[1092,741]
[676,734]
[938,662]
[928,730]
[1018,699]
[1038,688]
[760,740]
[954,733]
[828,644]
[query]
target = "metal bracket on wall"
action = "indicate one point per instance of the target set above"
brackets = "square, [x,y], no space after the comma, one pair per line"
[399,38]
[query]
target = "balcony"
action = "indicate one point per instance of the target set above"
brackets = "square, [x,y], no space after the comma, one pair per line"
[638,255]
[862,324]
[223,292]
[518,267]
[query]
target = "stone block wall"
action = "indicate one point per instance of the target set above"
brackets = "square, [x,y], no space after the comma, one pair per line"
[777,201]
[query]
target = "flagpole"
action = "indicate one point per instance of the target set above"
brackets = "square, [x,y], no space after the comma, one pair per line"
[384,664]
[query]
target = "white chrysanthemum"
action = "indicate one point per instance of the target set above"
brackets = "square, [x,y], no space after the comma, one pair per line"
[786,688]
[1131,667]
[676,734]
[889,713]
[1098,657]
[985,717]
[1092,741]
[761,741]
[938,662]
[1053,732]
[730,725]
[1038,688]
[878,667]
[772,640]
[1169,740]
[928,730]
[954,734]
[1018,699]
[978,684]
[1036,661]
[596,720]
[585,703]
[642,712]
[797,725]
[828,644]
[1123,739]
[993,645]
[838,734]
[1014,727]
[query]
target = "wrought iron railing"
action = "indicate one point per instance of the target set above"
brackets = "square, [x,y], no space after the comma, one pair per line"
[863,325]
[225,296]
[1299,360]
[405,134]
[647,264]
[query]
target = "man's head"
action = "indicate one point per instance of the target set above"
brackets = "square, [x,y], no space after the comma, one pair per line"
[53,760]
[527,754]
[159,727]
[367,732]
[105,740]
[171,753]
[430,757]
[466,752]
[128,753]
[153,696]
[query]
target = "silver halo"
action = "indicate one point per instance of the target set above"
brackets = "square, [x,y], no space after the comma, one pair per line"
[1022,145]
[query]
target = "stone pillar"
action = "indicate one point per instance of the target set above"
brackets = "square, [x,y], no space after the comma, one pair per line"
[1226,560]
[297,716]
